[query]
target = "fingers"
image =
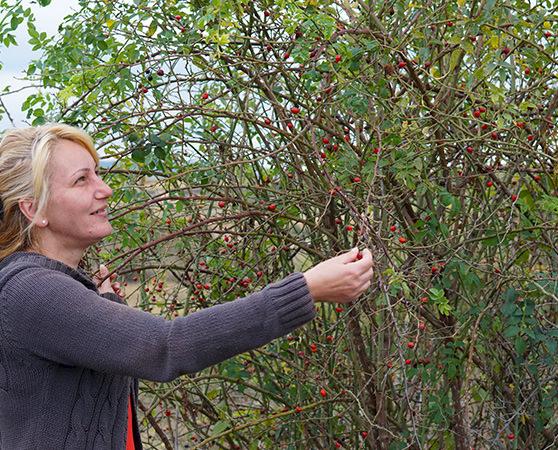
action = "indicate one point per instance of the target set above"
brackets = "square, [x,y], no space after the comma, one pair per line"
[366,261]
[103,271]
[116,288]
[347,257]
[366,276]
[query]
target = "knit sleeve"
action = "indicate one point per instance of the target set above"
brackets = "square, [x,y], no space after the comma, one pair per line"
[113,297]
[55,317]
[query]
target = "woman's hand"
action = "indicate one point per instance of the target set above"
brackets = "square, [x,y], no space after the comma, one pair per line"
[342,278]
[107,285]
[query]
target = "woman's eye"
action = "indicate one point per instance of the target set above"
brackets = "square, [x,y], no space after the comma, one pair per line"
[80,178]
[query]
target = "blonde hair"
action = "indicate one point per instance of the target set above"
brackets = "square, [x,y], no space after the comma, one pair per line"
[24,174]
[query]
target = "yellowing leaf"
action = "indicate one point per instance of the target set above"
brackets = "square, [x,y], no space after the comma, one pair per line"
[222,39]
[110,23]
[461,3]
[494,42]
[454,59]
[66,93]
[546,24]
[152,28]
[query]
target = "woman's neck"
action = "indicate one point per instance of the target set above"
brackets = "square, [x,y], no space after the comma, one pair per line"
[68,257]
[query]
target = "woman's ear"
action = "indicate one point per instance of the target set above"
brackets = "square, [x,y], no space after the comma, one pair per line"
[28,208]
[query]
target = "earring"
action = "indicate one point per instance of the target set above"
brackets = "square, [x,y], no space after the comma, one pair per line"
[44,222]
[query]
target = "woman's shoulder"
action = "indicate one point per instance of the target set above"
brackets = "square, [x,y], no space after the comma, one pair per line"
[38,267]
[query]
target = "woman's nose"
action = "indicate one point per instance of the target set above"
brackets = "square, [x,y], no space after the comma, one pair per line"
[104,190]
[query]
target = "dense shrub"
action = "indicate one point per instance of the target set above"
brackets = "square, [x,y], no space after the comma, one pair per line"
[245,140]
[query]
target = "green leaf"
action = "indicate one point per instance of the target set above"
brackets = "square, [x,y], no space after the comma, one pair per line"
[510,295]
[511,331]
[508,309]
[548,203]
[219,427]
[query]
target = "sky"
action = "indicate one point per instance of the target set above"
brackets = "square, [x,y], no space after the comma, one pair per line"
[16,58]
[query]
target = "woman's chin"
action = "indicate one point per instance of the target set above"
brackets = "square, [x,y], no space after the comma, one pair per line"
[106,231]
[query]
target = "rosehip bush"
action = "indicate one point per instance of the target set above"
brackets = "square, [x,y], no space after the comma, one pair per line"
[246,140]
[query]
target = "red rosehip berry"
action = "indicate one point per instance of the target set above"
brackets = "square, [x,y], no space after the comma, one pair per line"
[221,204]
[411,344]
[325,140]
[513,197]
[205,96]
[408,361]
[295,109]
[337,58]
[402,240]
[489,183]
[323,393]
[272,207]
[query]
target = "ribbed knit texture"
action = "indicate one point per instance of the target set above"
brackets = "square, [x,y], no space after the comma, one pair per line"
[69,358]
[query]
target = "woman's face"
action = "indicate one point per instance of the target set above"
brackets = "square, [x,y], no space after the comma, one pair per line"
[77,207]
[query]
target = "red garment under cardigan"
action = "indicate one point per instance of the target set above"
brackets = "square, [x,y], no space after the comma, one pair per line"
[130,437]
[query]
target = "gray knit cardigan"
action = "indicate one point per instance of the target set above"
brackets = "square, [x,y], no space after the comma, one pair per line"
[70,358]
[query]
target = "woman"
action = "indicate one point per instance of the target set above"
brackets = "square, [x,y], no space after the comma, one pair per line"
[71,352]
